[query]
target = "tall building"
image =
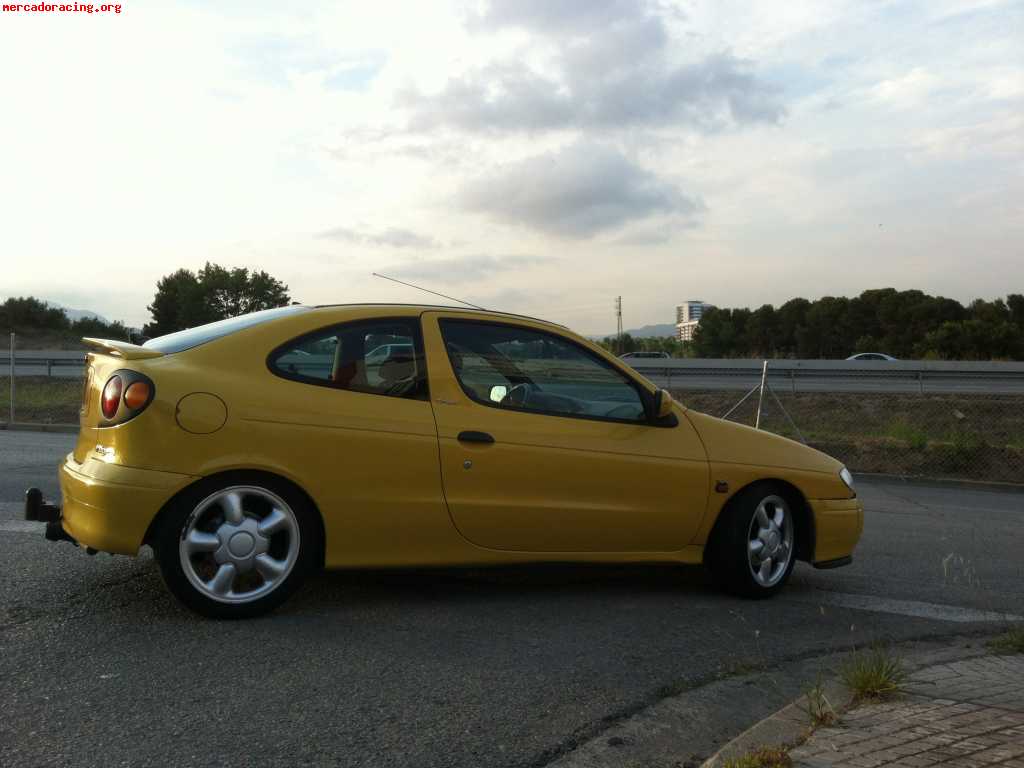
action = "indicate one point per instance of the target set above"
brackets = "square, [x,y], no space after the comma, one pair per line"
[688,315]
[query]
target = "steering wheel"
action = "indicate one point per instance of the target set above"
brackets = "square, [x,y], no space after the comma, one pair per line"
[518,395]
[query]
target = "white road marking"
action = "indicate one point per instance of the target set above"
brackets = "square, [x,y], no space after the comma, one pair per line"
[921,610]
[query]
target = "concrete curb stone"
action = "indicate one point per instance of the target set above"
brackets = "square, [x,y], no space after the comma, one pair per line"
[791,725]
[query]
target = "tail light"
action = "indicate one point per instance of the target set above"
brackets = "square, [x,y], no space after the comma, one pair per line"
[125,395]
[137,394]
[111,397]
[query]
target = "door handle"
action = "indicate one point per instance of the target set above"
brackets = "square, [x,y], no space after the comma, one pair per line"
[475,437]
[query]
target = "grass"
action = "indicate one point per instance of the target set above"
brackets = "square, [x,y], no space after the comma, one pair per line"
[873,673]
[1009,642]
[914,436]
[764,757]
[41,399]
[818,707]
[962,436]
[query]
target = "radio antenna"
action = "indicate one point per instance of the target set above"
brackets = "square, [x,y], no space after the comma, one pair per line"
[421,288]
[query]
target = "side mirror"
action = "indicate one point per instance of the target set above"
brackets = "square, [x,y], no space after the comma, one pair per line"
[498,392]
[663,403]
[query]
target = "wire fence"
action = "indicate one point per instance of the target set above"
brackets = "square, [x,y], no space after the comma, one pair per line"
[963,422]
[956,436]
[957,421]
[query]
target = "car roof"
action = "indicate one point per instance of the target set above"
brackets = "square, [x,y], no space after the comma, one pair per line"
[415,308]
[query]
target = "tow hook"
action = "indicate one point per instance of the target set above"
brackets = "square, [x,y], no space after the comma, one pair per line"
[40,511]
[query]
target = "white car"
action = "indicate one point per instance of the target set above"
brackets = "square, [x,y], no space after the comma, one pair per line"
[871,356]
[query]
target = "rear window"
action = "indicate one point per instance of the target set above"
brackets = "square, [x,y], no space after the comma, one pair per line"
[201,334]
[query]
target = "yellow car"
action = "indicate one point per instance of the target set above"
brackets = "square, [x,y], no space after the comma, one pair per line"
[252,451]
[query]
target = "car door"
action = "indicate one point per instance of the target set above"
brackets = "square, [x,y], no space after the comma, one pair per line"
[362,438]
[567,463]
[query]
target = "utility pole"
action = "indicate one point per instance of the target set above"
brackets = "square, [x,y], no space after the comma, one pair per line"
[618,317]
[10,416]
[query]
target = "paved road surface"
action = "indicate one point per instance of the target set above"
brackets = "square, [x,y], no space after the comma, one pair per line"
[508,667]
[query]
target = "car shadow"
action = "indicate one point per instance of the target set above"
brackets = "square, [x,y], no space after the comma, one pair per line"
[537,582]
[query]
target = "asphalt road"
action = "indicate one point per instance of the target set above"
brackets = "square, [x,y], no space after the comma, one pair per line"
[506,667]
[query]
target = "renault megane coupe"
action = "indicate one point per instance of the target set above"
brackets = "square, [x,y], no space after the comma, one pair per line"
[251,452]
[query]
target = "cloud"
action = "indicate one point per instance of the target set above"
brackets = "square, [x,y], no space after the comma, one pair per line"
[544,16]
[908,90]
[277,58]
[460,269]
[395,237]
[614,68]
[576,192]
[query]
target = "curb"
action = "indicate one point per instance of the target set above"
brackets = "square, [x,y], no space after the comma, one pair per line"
[20,426]
[790,725]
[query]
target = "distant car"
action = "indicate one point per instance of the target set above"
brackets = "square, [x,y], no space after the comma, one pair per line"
[871,356]
[644,356]
[387,351]
[482,438]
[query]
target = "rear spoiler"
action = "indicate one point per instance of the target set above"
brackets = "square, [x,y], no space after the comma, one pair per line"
[122,349]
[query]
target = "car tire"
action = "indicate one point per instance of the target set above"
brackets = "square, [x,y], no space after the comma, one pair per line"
[753,547]
[238,545]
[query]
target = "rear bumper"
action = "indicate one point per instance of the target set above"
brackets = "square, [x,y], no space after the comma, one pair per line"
[838,524]
[109,507]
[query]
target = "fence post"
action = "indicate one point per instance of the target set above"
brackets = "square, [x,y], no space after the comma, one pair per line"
[49,365]
[10,418]
[920,382]
[760,397]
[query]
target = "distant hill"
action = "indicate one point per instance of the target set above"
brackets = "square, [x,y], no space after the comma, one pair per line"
[661,330]
[78,314]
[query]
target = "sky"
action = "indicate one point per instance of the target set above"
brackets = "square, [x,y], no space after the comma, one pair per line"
[533,156]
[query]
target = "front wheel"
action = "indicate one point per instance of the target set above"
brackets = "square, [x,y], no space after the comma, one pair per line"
[238,547]
[753,551]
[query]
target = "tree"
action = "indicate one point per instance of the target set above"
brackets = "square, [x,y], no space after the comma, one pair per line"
[901,323]
[29,313]
[185,299]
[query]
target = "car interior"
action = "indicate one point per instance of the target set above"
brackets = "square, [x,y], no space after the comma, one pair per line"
[549,378]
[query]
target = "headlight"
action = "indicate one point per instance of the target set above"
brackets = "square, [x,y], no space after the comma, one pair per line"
[846,477]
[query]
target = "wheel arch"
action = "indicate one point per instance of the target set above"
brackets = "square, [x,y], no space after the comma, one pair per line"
[239,475]
[805,533]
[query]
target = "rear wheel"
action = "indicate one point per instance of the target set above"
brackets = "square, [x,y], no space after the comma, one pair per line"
[237,547]
[753,551]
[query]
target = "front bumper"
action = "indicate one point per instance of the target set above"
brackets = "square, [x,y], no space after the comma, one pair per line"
[106,507]
[838,524]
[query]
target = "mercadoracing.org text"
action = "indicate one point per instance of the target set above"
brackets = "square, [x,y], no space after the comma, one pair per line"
[61,7]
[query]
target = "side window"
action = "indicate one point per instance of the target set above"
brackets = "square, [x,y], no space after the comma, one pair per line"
[379,357]
[520,368]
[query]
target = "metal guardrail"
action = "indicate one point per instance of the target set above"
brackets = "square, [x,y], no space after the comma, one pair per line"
[42,362]
[752,367]
[839,375]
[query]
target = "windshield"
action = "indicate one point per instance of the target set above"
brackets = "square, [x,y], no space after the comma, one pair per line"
[201,334]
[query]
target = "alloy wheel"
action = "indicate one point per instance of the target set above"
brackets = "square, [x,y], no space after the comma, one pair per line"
[239,544]
[770,541]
